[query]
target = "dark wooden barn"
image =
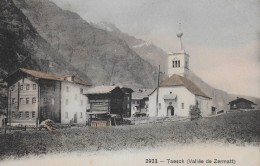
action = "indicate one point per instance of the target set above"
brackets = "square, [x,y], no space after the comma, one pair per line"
[127,101]
[105,99]
[241,104]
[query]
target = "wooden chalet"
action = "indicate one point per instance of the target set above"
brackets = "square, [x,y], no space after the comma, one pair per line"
[105,99]
[127,101]
[241,104]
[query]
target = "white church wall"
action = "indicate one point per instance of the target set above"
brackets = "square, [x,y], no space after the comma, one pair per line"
[205,105]
[183,96]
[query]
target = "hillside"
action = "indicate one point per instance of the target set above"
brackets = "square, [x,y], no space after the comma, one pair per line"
[105,58]
[148,51]
[22,46]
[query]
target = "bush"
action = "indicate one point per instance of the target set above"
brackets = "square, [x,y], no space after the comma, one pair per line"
[195,112]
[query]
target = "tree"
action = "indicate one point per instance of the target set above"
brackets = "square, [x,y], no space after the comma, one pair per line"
[195,112]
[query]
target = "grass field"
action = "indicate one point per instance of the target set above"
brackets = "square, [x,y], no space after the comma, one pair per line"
[238,128]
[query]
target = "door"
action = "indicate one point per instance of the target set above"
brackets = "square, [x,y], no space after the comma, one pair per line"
[170,110]
[76,117]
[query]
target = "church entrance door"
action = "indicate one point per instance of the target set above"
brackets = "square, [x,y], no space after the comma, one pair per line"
[170,110]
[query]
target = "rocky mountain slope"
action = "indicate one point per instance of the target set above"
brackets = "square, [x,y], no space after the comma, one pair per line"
[148,51]
[104,57]
[22,46]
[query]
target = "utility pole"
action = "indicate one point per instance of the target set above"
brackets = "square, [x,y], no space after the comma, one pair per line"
[157,95]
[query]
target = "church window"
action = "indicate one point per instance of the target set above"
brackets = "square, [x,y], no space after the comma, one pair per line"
[182,105]
[173,64]
[160,106]
[178,63]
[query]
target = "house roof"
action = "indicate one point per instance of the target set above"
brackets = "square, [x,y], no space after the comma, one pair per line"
[101,89]
[140,94]
[242,99]
[40,74]
[50,76]
[177,80]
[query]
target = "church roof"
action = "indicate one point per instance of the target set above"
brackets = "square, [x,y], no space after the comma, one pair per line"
[177,80]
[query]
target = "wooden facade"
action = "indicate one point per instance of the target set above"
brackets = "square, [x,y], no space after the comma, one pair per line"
[241,104]
[110,101]
[127,101]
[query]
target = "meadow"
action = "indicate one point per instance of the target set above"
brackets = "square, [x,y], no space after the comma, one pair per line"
[238,128]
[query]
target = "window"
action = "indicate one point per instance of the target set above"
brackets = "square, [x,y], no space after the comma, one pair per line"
[27,114]
[160,106]
[20,114]
[81,102]
[52,101]
[67,102]
[28,87]
[33,114]
[34,86]
[182,105]
[173,64]
[170,92]
[34,100]
[67,89]
[81,115]
[176,65]
[21,87]
[66,115]
[13,115]
[21,101]
[13,100]
[81,91]
[27,100]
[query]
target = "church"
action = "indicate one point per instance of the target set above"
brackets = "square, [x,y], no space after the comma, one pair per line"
[177,94]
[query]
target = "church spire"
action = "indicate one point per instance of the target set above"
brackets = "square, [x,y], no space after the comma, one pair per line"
[178,62]
[179,35]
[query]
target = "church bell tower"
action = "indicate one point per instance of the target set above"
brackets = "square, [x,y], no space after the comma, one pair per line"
[178,62]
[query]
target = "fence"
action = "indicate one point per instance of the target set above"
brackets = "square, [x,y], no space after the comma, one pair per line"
[146,120]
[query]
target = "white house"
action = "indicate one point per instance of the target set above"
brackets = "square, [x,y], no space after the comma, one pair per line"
[34,96]
[177,94]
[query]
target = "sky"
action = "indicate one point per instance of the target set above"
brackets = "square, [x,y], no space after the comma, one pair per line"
[222,37]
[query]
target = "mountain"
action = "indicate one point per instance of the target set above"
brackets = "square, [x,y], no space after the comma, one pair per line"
[22,46]
[147,50]
[104,57]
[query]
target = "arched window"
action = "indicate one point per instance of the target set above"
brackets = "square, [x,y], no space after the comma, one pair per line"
[173,64]
[178,63]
